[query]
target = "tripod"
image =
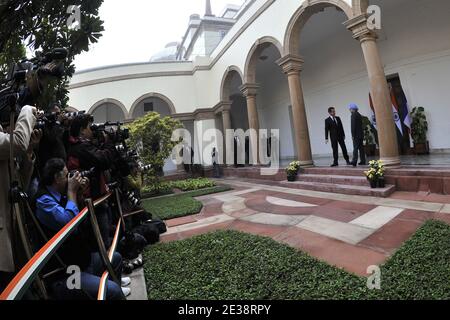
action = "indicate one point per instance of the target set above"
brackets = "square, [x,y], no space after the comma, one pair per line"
[16,200]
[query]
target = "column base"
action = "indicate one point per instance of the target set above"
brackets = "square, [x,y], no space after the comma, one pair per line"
[391,161]
[306,164]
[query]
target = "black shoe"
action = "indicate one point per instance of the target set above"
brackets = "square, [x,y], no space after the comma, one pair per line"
[334,165]
[349,163]
[362,164]
[353,164]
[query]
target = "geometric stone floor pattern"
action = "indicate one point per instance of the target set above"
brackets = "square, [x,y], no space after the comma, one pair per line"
[350,232]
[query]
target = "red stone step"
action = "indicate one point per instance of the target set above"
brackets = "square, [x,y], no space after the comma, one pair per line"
[337,171]
[340,188]
[334,179]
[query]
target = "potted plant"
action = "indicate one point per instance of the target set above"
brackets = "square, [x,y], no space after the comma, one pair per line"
[380,174]
[419,129]
[370,146]
[372,177]
[292,171]
[375,175]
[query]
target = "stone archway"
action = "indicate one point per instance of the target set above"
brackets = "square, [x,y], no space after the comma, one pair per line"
[359,6]
[227,79]
[356,22]
[267,92]
[254,54]
[161,104]
[304,13]
[109,109]
[233,102]
[70,109]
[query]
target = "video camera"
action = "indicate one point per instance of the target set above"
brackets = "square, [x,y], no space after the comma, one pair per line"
[49,120]
[26,80]
[113,129]
[84,174]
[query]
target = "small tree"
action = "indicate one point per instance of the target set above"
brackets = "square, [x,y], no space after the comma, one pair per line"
[151,135]
[369,134]
[419,126]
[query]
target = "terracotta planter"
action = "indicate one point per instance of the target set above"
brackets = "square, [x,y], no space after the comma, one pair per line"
[291,178]
[373,184]
[421,148]
[370,150]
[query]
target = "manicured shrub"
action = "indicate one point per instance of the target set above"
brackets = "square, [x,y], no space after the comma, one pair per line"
[193,184]
[233,265]
[180,205]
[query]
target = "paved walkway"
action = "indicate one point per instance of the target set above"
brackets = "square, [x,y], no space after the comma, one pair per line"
[350,232]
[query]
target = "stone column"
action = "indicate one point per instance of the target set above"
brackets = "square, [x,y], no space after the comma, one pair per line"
[292,65]
[250,91]
[381,97]
[226,121]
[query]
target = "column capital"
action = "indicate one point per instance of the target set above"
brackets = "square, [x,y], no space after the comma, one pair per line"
[249,89]
[223,106]
[291,63]
[358,26]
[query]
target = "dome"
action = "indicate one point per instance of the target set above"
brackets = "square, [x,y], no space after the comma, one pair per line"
[169,53]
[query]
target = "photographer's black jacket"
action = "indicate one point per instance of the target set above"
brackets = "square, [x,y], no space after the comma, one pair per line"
[84,155]
[52,146]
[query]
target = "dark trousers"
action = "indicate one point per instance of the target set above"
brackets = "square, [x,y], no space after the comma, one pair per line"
[335,145]
[216,171]
[90,281]
[358,146]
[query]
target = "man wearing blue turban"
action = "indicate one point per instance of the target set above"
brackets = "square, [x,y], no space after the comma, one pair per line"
[358,135]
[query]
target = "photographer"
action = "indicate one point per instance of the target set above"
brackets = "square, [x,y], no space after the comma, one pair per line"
[83,154]
[56,205]
[21,143]
[52,143]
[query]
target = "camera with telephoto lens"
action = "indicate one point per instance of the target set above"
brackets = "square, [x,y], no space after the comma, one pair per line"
[83,174]
[145,168]
[47,121]
[74,114]
[134,200]
[26,81]
[120,148]
[114,131]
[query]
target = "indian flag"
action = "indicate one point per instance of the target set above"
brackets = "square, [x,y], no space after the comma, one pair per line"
[395,109]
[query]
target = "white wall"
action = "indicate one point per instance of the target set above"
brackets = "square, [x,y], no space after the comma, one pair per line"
[108,112]
[159,106]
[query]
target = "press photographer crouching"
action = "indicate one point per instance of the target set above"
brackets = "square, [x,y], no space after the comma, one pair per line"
[53,140]
[23,132]
[84,155]
[56,205]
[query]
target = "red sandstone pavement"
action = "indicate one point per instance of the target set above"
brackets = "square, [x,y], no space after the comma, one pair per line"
[421,196]
[373,250]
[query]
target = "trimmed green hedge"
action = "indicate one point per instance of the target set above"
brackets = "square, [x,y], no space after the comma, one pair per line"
[234,265]
[420,270]
[166,187]
[193,184]
[180,205]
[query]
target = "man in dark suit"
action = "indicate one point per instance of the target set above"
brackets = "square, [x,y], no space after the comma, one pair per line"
[335,130]
[358,136]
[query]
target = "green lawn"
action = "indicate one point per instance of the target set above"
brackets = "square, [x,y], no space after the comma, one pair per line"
[234,265]
[180,205]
